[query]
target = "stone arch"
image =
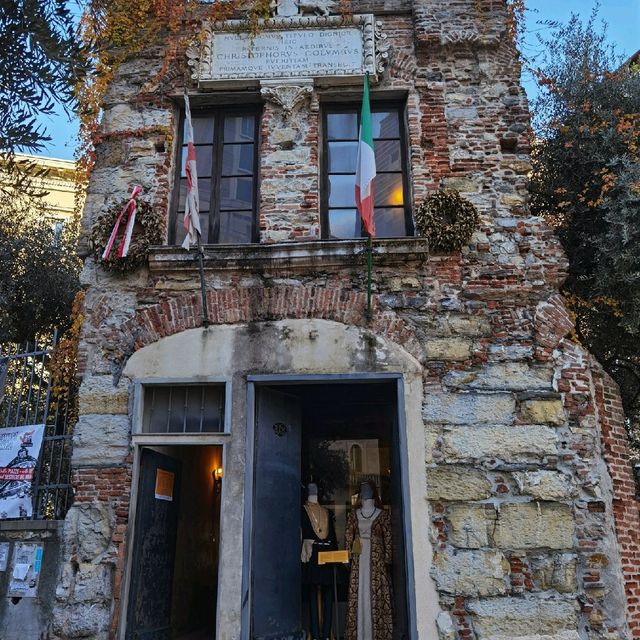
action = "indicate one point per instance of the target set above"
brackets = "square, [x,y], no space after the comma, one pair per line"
[260,304]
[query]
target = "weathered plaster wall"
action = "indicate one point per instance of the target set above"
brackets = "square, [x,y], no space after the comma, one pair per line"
[515,426]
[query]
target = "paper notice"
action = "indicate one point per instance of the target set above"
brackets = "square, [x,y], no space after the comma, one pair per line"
[20,571]
[164,485]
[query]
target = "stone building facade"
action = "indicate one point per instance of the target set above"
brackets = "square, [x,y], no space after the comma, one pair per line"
[517,516]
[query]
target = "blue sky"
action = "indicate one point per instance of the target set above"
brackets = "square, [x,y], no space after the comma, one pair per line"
[622,16]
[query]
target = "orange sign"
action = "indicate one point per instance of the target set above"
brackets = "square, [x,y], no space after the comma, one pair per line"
[164,484]
[331,557]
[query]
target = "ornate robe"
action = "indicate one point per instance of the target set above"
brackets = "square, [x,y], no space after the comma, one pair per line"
[381,597]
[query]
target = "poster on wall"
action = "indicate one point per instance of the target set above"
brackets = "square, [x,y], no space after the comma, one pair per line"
[25,570]
[19,453]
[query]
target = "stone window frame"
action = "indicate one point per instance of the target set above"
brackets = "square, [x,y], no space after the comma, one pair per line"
[353,106]
[217,112]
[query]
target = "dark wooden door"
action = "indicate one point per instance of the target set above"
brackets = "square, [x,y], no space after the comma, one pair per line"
[156,526]
[276,518]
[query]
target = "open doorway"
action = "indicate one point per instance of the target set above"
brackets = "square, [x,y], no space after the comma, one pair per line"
[335,437]
[174,571]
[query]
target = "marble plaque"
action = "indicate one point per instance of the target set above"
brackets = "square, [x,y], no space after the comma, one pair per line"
[329,48]
[301,53]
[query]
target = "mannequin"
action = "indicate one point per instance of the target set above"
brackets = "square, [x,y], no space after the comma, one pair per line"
[318,534]
[368,536]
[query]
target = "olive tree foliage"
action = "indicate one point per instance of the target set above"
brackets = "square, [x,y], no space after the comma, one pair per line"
[40,63]
[39,270]
[586,183]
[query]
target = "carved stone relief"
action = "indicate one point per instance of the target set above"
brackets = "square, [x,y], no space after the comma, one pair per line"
[287,96]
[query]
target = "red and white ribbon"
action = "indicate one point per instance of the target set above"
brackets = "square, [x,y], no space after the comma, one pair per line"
[130,208]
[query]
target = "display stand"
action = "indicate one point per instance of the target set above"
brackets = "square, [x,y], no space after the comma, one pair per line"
[334,558]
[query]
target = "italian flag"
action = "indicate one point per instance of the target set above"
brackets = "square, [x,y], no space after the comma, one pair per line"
[366,165]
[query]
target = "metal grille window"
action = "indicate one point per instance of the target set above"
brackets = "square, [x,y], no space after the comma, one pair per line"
[184,409]
[226,143]
[392,212]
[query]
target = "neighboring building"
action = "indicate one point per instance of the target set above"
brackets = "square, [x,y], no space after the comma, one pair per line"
[497,443]
[55,177]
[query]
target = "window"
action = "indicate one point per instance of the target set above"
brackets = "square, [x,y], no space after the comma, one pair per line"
[227,160]
[356,458]
[184,409]
[392,212]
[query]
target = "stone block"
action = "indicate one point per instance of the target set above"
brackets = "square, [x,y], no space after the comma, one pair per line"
[446,627]
[447,349]
[93,582]
[545,485]
[534,525]
[510,444]
[508,376]
[465,185]
[122,116]
[83,620]
[457,483]
[462,113]
[469,525]
[469,408]
[512,200]
[554,572]
[529,617]
[471,573]
[509,351]
[98,395]
[547,411]
[452,324]
[284,135]
[100,440]
[402,283]
[431,442]
[88,528]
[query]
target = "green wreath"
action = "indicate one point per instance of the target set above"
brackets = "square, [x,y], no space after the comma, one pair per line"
[447,220]
[148,230]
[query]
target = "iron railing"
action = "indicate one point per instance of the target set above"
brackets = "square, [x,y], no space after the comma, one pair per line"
[27,397]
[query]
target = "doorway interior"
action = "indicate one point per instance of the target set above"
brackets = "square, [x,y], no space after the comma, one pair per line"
[336,435]
[174,573]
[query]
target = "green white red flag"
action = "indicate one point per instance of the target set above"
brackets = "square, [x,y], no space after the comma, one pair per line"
[366,165]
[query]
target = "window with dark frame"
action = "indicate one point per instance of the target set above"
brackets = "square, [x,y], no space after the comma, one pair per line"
[183,408]
[392,211]
[226,142]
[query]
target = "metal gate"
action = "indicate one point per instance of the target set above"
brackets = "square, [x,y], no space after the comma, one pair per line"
[28,395]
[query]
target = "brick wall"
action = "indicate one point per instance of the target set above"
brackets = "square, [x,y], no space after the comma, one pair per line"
[626,507]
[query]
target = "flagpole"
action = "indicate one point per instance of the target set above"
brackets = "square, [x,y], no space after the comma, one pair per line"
[203,290]
[365,175]
[369,251]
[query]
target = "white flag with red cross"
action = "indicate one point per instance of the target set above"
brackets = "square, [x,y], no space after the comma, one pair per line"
[192,205]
